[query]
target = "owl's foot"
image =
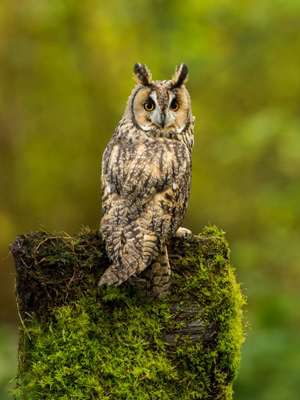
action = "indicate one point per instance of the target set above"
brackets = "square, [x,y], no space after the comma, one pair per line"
[182,232]
[110,277]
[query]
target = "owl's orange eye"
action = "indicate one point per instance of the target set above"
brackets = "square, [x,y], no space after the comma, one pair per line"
[174,105]
[149,106]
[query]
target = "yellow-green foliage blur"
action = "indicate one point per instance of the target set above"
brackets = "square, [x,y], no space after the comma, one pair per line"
[66,74]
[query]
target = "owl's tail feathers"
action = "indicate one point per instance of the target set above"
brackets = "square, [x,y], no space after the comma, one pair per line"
[152,283]
[119,273]
[139,251]
[111,276]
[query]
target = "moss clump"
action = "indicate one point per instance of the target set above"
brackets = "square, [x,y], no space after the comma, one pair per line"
[80,343]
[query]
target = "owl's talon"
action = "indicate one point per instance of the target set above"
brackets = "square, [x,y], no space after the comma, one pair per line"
[183,232]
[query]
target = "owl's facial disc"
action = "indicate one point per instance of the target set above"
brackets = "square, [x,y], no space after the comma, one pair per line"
[159,108]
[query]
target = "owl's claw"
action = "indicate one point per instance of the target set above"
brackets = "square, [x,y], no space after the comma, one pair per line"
[182,232]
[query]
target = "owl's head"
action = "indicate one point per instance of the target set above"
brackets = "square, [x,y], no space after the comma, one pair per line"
[160,107]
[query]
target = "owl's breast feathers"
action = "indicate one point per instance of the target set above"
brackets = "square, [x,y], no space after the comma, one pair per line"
[153,173]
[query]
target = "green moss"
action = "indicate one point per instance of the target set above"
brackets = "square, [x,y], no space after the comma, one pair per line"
[81,343]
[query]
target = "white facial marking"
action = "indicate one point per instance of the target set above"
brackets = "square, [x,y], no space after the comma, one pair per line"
[172,97]
[153,97]
[169,117]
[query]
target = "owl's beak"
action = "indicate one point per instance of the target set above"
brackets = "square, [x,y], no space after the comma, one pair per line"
[159,119]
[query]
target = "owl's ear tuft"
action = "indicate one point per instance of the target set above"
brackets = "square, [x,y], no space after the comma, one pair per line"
[142,74]
[181,75]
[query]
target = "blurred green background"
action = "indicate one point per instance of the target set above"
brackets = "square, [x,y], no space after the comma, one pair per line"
[66,69]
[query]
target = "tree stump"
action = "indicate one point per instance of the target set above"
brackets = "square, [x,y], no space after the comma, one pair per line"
[78,342]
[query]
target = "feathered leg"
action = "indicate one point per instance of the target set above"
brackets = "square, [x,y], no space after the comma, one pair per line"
[154,282]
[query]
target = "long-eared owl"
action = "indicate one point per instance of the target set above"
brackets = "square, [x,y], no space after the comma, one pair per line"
[146,179]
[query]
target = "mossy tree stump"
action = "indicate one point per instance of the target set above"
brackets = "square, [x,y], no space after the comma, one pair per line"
[78,342]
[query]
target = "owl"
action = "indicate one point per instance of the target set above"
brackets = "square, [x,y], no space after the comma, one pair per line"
[146,179]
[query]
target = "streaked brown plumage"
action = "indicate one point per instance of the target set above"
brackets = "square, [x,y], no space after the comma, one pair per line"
[146,178]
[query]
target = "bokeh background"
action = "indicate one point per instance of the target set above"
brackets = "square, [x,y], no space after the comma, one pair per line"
[66,69]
